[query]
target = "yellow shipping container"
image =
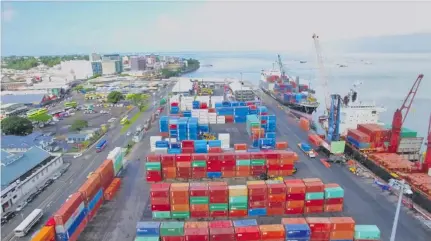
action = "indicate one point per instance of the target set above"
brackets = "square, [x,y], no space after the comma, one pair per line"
[237,190]
[255,183]
[45,234]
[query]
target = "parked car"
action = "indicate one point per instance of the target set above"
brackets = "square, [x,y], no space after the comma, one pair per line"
[21,206]
[32,197]
[7,217]
[77,155]
[48,182]
[56,176]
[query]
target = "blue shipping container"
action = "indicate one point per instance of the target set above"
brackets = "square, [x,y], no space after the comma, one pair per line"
[297,231]
[95,200]
[245,223]
[357,144]
[147,229]
[257,212]
[214,174]
[79,219]
[305,146]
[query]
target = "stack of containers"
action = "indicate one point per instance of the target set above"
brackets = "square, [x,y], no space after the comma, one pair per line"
[199,165]
[320,228]
[258,163]
[184,165]
[359,139]
[287,162]
[160,201]
[71,218]
[334,198]
[221,230]
[106,172]
[214,169]
[196,231]
[196,104]
[262,110]
[187,113]
[246,230]
[180,199]
[192,128]
[172,231]
[148,231]
[228,165]
[251,122]
[219,199]
[375,132]
[175,109]
[243,164]
[273,163]
[241,113]
[276,197]
[112,189]
[199,200]
[161,147]
[257,198]
[212,118]
[153,168]
[272,232]
[169,170]
[164,124]
[173,127]
[92,193]
[182,128]
[201,146]
[268,122]
[314,195]
[342,228]
[295,196]
[238,201]
[188,146]
[367,233]
[296,229]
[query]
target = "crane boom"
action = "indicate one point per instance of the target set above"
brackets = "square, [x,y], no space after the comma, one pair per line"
[427,160]
[322,72]
[280,65]
[399,118]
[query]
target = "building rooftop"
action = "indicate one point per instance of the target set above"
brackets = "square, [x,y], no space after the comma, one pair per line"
[182,85]
[13,166]
[10,141]
[23,99]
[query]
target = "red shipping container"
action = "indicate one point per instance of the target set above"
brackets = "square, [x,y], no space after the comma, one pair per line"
[159,189]
[272,155]
[334,201]
[313,209]
[314,187]
[319,224]
[247,233]
[90,187]
[187,150]
[196,234]
[198,189]
[286,167]
[228,163]
[257,189]
[218,190]
[112,189]
[153,157]
[222,234]
[295,196]
[154,176]
[159,200]
[310,203]
[257,198]
[215,214]
[168,163]
[106,172]
[199,214]
[199,157]
[297,210]
[258,204]
[257,155]
[199,174]
[276,205]
[238,213]
[187,143]
[215,150]
[358,135]
[228,157]
[214,157]
[183,158]
[242,156]
[276,188]
[230,168]
[320,236]
[161,207]
[173,238]
[220,224]
[68,208]
[273,167]
[273,211]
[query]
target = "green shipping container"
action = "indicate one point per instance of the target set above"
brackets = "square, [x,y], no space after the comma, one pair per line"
[199,200]
[181,215]
[258,162]
[337,147]
[243,162]
[161,214]
[314,195]
[334,192]
[155,238]
[219,207]
[407,133]
[153,166]
[172,229]
[238,199]
[238,206]
[369,232]
[199,164]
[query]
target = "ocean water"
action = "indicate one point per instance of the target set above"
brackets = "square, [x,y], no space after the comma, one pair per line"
[386,79]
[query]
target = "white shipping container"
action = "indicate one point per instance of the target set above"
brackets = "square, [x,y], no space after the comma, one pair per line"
[429,172]
[410,144]
[163,150]
[114,153]
[153,140]
[221,122]
[225,140]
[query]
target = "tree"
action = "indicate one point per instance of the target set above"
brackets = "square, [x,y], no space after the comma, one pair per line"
[15,125]
[41,118]
[78,125]
[78,88]
[115,96]
[167,73]
[139,100]
[21,63]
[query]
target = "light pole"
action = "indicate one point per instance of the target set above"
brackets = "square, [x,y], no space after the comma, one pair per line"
[397,212]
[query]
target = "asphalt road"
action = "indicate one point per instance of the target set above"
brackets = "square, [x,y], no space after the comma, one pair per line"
[53,197]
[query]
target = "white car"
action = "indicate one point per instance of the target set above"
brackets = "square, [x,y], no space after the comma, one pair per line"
[77,155]
[129,133]
[56,176]
[21,206]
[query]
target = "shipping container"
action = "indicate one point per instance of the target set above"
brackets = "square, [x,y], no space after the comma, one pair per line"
[68,208]
[106,172]
[46,233]
[90,187]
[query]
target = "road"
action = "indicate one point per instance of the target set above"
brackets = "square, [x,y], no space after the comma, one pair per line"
[53,197]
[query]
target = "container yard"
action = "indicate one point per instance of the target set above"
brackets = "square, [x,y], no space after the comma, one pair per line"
[244,177]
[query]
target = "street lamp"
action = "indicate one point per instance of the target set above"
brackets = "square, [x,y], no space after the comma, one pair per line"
[397,212]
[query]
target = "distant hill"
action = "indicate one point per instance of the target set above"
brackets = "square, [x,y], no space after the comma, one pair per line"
[409,43]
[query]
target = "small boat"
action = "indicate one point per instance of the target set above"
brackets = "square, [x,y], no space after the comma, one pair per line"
[302,61]
[342,65]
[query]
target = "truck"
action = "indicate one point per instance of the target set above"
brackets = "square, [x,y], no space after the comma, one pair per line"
[306,148]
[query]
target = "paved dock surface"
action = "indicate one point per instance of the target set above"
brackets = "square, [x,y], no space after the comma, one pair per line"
[367,204]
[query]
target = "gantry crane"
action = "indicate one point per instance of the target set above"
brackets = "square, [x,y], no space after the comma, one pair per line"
[334,119]
[322,72]
[427,160]
[399,118]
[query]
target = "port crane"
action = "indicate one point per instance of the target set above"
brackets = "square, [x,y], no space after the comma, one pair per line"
[322,72]
[399,118]
[281,67]
[427,160]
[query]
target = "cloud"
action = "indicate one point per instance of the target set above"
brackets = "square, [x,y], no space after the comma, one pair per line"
[8,14]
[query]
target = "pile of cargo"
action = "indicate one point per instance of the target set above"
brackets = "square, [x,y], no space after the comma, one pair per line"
[257,198]
[185,128]
[290,229]
[368,136]
[216,165]
[175,109]
[392,161]
[304,124]
[261,130]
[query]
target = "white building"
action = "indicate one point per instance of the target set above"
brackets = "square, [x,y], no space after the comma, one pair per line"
[95,57]
[80,69]
[22,173]
[108,67]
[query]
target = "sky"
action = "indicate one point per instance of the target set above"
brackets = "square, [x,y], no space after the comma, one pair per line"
[60,27]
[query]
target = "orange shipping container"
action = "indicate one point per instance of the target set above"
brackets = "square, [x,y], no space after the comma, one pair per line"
[169,172]
[304,124]
[106,171]
[342,223]
[240,147]
[333,208]
[199,207]
[293,221]
[180,207]
[272,231]
[202,224]
[46,233]
[90,187]
[179,200]
[281,145]
[112,189]
[342,235]
[295,204]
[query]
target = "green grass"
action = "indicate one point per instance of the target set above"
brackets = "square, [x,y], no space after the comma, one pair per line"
[131,121]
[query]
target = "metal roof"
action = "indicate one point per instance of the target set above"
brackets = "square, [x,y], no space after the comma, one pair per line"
[14,166]
[182,85]
[23,99]
[11,141]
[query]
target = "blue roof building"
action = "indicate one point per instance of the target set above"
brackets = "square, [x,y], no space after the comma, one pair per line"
[11,143]
[28,99]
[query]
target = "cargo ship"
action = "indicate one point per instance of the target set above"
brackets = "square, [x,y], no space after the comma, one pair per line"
[287,90]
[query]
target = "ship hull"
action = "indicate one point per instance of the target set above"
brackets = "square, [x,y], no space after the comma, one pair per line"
[418,198]
[298,107]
